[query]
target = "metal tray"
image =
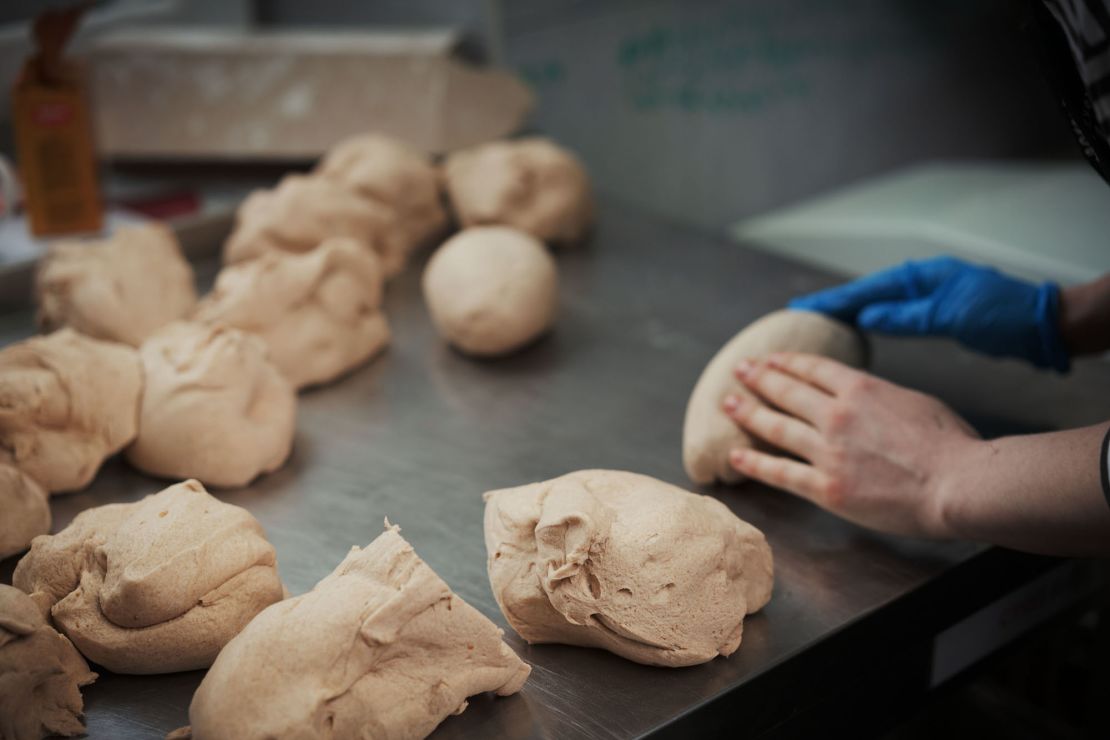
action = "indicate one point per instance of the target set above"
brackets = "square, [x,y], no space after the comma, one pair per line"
[418,435]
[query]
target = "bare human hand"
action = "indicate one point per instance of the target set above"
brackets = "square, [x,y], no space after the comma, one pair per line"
[870,451]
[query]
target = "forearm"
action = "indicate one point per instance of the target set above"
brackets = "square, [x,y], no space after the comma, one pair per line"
[1038,492]
[1085,316]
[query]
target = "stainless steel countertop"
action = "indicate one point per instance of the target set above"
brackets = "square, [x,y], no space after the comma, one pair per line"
[419,435]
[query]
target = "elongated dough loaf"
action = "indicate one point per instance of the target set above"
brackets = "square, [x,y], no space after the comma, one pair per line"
[380,648]
[624,562]
[709,434]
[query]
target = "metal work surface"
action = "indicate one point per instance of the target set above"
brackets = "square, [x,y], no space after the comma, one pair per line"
[419,435]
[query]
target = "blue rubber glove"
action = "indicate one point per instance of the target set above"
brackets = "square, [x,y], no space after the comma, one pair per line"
[978,306]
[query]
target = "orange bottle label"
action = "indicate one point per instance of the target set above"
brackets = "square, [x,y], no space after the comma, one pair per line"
[57,163]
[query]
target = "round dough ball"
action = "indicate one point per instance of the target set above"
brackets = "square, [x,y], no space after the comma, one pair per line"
[123,288]
[491,290]
[214,407]
[531,184]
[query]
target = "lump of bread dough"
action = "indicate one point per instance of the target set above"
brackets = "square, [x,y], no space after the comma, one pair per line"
[122,288]
[319,312]
[491,290]
[154,586]
[379,648]
[41,674]
[303,211]
[386,170]
[214,408]
[24,511]
[627,563]
[708,434]
[67,402]
[530,184]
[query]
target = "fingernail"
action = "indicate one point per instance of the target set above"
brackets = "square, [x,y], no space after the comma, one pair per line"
[731,403]
[736,456]
[745,367]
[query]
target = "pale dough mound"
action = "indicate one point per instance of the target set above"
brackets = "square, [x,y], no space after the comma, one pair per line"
[387,171]
[156,586]
[122,288]
[491,290]
[627,563]
[708,434]
[40,674]
[319,312]
[67,402]
[215,408]
[531,184]
[381,648]
[303,211]
[24,511]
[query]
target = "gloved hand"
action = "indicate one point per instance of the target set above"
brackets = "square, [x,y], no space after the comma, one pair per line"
[978,306]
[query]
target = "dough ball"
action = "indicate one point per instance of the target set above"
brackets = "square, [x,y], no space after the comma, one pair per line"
[709,434]
[215,408]
[68,402]
[319,312]
[387,171]
[40,674]
[491,290]
[155,586]
[379,648]
[25,509]
[627,563]
[122,288]
[302,211]
[530,184]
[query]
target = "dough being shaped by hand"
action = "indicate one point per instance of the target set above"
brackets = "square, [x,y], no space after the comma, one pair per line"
[123,288]
[67,402]
[40,674]
[531,184]
[379,648]
[24,511]
[155,586]
[385,170]
[491,290]
[303,211]
[624,562]
[214,408]
[709,434]
[319,312]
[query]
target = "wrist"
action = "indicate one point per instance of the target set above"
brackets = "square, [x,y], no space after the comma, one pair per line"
[1084,316]
[949,505]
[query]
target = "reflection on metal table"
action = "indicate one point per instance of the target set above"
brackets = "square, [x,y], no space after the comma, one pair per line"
[852,630]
